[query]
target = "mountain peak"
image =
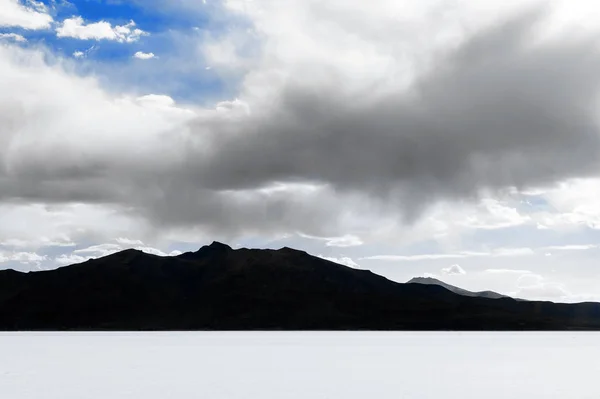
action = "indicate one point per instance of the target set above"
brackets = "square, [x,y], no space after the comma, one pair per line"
[215,248]
[220,246]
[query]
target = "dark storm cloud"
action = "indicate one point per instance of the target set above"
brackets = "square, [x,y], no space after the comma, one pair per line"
[499,111]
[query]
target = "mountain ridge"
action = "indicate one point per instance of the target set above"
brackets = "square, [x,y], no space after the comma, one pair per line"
[220,288]
[456,290]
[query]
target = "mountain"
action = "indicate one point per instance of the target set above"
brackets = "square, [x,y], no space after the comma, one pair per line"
[218,288]
[456,290]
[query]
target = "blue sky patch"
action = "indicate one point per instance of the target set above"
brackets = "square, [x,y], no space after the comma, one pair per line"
[175,34]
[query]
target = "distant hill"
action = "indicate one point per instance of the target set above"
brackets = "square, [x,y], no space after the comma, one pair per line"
[456,290]
[218,288]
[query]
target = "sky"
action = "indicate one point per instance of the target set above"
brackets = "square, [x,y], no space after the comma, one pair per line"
[456,139]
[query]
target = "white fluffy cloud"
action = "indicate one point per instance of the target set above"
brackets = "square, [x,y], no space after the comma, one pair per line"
[32,15]
[454,270]
[13,36]
[77,28]
[140,55]
[574,203]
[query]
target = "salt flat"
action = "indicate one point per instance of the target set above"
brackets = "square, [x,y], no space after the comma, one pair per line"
[298,365]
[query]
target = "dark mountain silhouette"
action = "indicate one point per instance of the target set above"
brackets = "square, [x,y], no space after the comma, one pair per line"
[456,290]
[223,289]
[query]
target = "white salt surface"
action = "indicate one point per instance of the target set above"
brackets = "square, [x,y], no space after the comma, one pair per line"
[299,365]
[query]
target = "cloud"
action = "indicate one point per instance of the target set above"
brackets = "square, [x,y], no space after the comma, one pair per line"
[572,204]
[454,270]
[25,258]
[32,16]
[571,247]
[12,36]
[513,252]
[535,286]
[229,53]
[127,241]
[341,242]
[59,226]
[507,271]
[414,258]
[40,242]
[500,252]
[495,215]
[354,125]
[449,133]
[77,28]
[99,250]
[143,56]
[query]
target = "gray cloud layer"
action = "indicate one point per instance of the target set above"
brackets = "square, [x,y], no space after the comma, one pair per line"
[493,113]
[500,110]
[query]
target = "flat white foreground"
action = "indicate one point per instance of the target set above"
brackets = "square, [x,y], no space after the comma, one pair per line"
[299,365]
